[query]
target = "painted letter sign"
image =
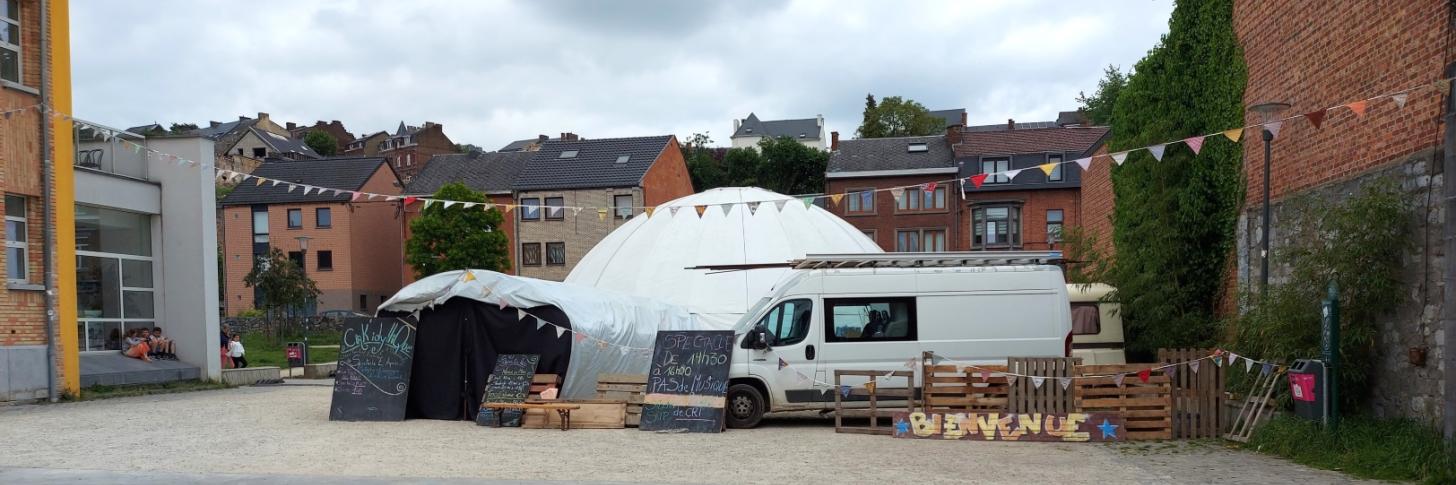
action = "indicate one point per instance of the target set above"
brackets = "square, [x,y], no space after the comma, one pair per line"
[1069,427]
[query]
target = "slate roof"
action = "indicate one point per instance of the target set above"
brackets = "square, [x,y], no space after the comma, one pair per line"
[1020,125]
[484,171]
[1010,142]
[595,164]
[517,145]
[874,154]
[348,173]
[952,117]
[805,129]
[223,128]
[282,144]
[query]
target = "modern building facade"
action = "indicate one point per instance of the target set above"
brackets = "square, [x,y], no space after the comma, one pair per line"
[350,246]
[491,173]
[617,177]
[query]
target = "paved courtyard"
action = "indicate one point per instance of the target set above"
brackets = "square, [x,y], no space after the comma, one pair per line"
[281,434]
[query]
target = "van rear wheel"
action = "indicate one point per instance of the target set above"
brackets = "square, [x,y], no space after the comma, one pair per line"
[745,406]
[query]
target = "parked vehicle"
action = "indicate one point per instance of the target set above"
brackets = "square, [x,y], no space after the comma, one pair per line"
[1096,325]
[877,311]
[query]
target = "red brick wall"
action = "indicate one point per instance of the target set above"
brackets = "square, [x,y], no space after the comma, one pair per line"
[668,178]
[885,220]
[376,243]
[1097,202]
[409,161]
[1034,207]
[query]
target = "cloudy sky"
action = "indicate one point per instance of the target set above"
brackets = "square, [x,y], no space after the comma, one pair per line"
[496,71]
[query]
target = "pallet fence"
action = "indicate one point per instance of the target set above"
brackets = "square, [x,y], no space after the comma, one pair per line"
[624,387]
[1198,396]
[1145,407]
[949,389]
[905,394]
[1048,398]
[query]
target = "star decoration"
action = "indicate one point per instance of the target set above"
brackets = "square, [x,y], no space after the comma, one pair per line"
[1109,430]
[902,426]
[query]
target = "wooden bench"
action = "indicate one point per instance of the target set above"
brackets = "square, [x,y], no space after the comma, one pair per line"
[563,410]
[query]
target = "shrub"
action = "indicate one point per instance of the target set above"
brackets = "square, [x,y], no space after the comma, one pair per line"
[1364,447]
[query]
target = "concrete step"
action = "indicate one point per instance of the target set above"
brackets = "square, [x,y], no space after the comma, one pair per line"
[114,369]
[251,375]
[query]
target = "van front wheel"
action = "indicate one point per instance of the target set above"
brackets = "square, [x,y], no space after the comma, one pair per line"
[745,406]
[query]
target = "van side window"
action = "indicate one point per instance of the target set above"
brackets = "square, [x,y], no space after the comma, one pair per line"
[788,323]
[1086,319]
[870,319]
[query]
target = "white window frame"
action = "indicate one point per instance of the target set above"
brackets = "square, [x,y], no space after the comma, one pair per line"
[23,244]
[19,61]
[998,164]
[85,322]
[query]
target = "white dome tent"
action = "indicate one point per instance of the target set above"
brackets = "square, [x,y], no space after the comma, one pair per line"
[648,255]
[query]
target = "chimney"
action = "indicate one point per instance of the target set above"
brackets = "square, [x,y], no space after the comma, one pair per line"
[1010,124]
[953,135]
[965,119]
[736,122]
[262,116]
[291,126]
[820,119]
[542,138]
[569,136]
[242,118]
[833,141]
[214,124]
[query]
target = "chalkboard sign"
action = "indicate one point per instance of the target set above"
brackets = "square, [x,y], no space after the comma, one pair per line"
[372,381]
[510,382]
[688,381]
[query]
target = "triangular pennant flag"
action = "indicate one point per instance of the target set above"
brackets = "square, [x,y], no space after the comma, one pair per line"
[1248,364]
[1119,157]
[1144,374]
[727,208]
[540,323]
[468,276]
[1066,382]
[427,204]
[1316,118]
[1358,107]
[978,179]
[307,189]
[672,210]
[1400,99]
[354,197]
[410,200]
[700,209]
[1157,151]
[520,314]
[870,386]
[985,375]
[1117,379]
[506,208]
[576,211]
[752,208]
[1011,379]
[649,211]
[836,198]
[1011,174]
[1193,365]
[560,331]
[1085,163]
[779,204]
[936,359]
[1267,369]
[783,363]
[844,391]
[578,336]
[260,181]
[449,203]
[376,196]
[930,186]
[601,214]
[1047,168]
[897,193]
[468,205]
[1232,357]
[291,187]
[503,303]
[1194,143]
[1037,380]
[1273,127]
[808,201]
[1234,134]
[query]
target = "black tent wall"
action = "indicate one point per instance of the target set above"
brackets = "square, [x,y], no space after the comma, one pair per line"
[456,345]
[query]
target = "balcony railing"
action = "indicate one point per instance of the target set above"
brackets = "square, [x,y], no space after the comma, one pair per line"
[110,150]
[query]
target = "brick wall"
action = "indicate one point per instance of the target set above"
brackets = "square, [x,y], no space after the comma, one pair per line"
[580,232]
[885,219]
[1097,202]
[376,242]
[1034,207]
[409,160]
[668,178]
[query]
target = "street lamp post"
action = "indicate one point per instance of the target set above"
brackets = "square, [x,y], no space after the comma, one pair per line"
[303,269]
[1267,112]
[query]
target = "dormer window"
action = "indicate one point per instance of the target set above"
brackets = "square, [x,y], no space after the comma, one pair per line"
[918,148]
[801,135]
[624,158]
[568,154]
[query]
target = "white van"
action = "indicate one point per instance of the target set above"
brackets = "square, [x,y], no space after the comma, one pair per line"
[877,311]
[1096,325]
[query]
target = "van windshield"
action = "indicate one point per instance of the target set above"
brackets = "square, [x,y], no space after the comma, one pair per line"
[746,321]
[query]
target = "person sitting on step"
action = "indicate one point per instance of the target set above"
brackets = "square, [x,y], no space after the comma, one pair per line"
[136,347]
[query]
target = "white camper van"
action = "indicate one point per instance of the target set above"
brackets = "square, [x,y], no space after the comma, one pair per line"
[877,311]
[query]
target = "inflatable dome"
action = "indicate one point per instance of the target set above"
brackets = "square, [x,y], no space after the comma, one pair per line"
[649,255]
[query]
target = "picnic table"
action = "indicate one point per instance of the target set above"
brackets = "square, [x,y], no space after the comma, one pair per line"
[562,409]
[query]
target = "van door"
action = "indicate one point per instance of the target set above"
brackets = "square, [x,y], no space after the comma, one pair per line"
[869,333]
[791,333]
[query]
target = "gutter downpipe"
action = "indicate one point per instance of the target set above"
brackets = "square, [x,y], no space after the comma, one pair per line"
[1448,234]
[48,229]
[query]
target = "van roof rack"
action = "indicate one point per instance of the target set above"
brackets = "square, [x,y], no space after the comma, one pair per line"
[905,260]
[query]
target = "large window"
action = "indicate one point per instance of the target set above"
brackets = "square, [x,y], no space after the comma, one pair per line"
[920,240]
[115,285]
[295,218]
[996,166]
[323,217]
[10,40]
[623,205]
[555,253]
[1056,175]
[870,319]
[1054,226]
[788,323]
[531,209]
[996,227]
[554,208]
[861,201]
[530,254]
[916,199]
[17,242]
[260,224]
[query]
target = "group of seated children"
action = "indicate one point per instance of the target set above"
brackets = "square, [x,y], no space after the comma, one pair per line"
[147,344]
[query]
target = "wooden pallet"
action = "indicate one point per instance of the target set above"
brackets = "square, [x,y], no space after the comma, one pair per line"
[1146,407]
[1198,407]
[1048,398]
[628,388]
[882,388]
[1256,405]
[951,389]
[542,382]
[593,414]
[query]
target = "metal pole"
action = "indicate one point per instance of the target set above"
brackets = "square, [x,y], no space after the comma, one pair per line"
[48,246]
[1448,234]
[1330,347]
[1264,236]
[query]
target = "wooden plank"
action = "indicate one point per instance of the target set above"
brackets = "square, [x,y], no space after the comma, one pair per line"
[622,378]
[594,414]
[886,431]
[631,388]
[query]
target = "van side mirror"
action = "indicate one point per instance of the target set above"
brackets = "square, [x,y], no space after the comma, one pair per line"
[756,339]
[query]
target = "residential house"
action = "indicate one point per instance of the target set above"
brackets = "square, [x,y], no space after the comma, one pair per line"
[906,192]
[749,131]
[533,144]
[615,177]
[225,137]
[258,144]
[491,173]
[410,147]
[353,244]
[366,145]
[333,128]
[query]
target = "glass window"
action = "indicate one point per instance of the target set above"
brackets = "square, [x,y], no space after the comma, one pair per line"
[136,273]
[861,200]
[325,260]
[554,208]
[363,302]
[17,238]
[788,323]
[530,254]
[260,226]
[113,231]
[917,240]
[996,227]
[932,240]
[323,217]
[1056,175]
[10,40]
[907,241]
[1054,225]
[1086,319]
[866,319]
[98,287]
[996,166]
[531,209]
[556,253]
[295,218]
[260,152]
[297,258]
[622,205]
[138,304]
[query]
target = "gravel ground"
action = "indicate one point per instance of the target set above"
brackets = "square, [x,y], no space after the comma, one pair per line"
[284,430]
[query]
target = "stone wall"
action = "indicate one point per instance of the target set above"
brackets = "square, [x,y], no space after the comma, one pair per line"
[1400,389]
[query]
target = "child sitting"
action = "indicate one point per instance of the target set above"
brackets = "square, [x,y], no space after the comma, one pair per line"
[136,347]
[162,347]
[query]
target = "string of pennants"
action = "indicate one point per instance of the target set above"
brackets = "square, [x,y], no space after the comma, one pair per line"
[561,330]
[1194,143]
[1219,358]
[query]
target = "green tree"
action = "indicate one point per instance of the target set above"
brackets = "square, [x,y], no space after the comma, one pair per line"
[322,142]
[789,167]
[180,128]
[741,165]
[1099,106]
[467,148]
[444,239]
[282,283]
[894,116]
[704,168]
[1174,220]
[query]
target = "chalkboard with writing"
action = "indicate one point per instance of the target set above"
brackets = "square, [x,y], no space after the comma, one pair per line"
[688,381]
[372,381]
[510,382]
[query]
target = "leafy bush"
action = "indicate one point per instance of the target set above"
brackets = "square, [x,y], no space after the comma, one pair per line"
[251,313]
[1364,447]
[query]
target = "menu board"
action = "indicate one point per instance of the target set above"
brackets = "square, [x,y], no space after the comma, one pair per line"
[372,381]
[687,384]
[510,382]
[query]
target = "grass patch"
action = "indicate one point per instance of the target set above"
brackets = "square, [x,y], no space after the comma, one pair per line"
[265,351]
[1363,447]
[107,392]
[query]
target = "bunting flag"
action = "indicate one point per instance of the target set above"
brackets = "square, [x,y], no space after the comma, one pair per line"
[1119,157]
[1011,379]
[354,197]
[468,205]
[1011,174]
[870,386]
[503,303]
[783,363]
[1316,118]
[1248,364]
[1144,374]
[1232,357]
[1193,365]
[1273,127]
[576,211]
[1267,369]
[844,391]
[1218,361]
[898,193]
[985,375]
[1037,380]
[1400,99]
[449,203]
[701,209]
[1234,134]
[978,179]
[1358,107]
[578,336]
[672,210]
[649,211]
[1085,163]
[779,204]
[260,182]
[930,186]
[410,200]
[540,323]
[936,359]
[753,208]
[560,330]
[427,203]
[521,315]
[836,198]
[808,201]
[291,187]
[468,276]
[1117,379]
[1047,168]
[1157,151]
[1066,382]
[505,208]
[1194,143]
[601,214]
